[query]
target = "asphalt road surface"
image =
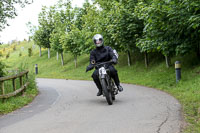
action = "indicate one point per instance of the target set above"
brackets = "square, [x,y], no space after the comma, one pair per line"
[69,106]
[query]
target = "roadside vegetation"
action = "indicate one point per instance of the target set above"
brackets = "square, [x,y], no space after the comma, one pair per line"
[18,101]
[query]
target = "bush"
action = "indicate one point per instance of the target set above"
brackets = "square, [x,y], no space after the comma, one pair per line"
[2,66]
[14,47]
[19,101]
[20,54]
[7,55]
[29,52]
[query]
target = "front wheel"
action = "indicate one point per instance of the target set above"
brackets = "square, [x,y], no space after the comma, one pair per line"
[113,97]
[107,93]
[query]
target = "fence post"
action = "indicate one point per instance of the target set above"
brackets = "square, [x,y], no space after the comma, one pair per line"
[26,80]
[14,85]
[23,79]
[27,76]
[21,83]
[3,90]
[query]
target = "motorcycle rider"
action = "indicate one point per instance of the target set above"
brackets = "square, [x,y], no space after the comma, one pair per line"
[102,54]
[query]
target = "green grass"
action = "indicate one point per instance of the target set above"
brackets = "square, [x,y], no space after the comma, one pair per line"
[187,91]
[18,101]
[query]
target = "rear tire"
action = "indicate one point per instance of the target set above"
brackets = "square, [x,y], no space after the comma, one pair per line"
[107,93]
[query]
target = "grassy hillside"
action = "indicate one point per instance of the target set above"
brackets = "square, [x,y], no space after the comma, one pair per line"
[187,91]
[18,101]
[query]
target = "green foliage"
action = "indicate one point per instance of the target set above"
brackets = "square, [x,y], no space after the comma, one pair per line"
[122,25]
[63,18]
[171,27]
[7,55]
[8,10]
[74,41]
[30,52]
[38,37]
[2,67]
[32,30]
[14,47]
[18,101]
[168,27]
[46,26]
[20,54]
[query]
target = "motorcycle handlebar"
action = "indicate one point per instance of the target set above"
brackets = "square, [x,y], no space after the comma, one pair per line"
[102,63]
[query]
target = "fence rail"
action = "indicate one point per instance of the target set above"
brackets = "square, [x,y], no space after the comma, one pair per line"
[15,90]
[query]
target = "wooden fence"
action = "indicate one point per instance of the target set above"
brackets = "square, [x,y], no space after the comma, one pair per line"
[22,88]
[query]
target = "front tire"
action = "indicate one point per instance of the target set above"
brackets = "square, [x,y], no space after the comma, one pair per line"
[113,97]
[107,93]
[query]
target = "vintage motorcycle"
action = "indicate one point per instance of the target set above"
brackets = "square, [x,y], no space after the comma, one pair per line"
[108,87]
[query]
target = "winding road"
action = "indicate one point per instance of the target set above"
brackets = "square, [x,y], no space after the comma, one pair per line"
[71,106]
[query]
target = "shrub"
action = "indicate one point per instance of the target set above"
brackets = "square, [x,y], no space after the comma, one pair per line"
[29,52]
[20,54]
[2,66]
[14,47]
[7,55]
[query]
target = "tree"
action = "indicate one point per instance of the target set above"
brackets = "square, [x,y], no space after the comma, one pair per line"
[188,18]
[171,27]
[74,43]
[157,31]
[32,29]
[46,26]
[122,25]
[8,10]
[63,19]
[92,21]
[39,34]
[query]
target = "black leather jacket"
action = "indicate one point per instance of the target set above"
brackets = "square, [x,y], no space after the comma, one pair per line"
[102,54]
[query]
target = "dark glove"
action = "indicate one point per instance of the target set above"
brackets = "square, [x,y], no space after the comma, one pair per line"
[90,67]
[114,61]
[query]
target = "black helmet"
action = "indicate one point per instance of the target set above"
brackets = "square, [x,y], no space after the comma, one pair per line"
[98,40]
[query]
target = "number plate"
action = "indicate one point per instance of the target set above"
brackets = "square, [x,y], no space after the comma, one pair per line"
[102,70]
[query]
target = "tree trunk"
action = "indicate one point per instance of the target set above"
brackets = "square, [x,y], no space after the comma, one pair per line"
[146,59]
[129,58]
[40,53]
[49,53]
[168,61]
[75,61]
[62,59]
[58,55]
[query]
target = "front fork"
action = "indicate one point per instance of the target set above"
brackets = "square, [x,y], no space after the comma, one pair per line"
[104,77]
[111,86]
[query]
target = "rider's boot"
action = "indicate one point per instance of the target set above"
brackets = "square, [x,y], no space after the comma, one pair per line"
[98,84]
[99,93]
[120,88]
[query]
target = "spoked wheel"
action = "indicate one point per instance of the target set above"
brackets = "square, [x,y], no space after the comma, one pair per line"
[107,93]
